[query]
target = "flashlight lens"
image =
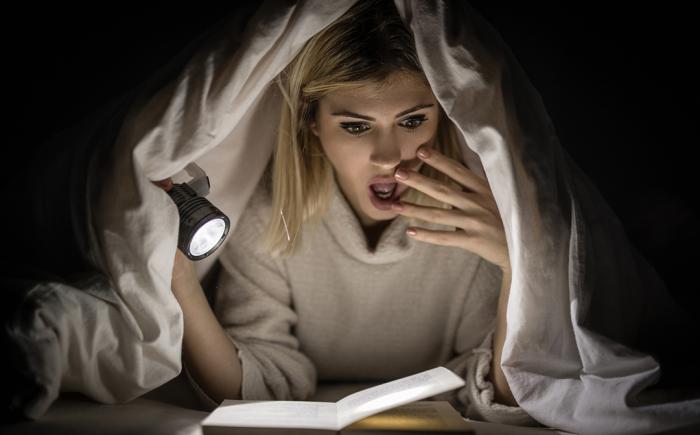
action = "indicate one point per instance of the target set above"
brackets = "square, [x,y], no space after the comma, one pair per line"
[207,237]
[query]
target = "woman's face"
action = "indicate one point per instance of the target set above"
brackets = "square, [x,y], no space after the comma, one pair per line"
[370,131]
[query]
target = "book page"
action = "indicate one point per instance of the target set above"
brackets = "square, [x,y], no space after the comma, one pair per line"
[274,414]
[417,416]
[396,393]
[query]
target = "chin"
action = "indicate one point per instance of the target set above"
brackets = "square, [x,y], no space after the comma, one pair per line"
[379,215]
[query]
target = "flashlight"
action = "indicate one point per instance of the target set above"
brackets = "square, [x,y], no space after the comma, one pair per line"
[203,227]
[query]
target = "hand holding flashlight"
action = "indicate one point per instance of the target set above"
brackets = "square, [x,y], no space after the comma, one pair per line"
[184,273]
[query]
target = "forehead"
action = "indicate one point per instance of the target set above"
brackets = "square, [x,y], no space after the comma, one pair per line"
[398,92]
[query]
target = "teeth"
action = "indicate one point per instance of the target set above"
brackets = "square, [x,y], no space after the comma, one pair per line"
[384,191]
[383,188]
[384,195]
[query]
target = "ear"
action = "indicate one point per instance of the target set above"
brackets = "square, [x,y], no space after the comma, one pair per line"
[314,128]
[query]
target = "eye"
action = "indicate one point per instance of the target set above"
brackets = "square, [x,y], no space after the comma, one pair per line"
[414,122]
[354,128]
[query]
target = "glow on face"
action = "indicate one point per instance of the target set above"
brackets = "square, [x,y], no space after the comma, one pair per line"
[371,130]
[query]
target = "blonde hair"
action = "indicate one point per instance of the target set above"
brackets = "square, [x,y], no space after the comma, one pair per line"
[362,47]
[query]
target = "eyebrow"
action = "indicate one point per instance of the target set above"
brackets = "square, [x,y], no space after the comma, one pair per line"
[369,118]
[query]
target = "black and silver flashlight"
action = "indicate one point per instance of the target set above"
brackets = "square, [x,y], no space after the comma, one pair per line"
[203,227]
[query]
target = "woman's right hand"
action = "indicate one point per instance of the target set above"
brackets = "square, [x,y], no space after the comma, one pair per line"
[165,184]
[211,357]
[184,274]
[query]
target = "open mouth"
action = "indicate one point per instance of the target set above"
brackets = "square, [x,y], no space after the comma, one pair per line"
[383,191]
[383,194]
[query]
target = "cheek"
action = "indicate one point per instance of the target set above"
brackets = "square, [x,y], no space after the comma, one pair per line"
[428,135]
[420,137]
[342,153]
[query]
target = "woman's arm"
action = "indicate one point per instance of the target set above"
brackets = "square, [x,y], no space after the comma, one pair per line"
[253,328]
[502,393]
[478,229]
[474,351]
[210,356]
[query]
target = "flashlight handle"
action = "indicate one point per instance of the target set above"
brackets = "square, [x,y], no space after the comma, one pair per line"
[181,193]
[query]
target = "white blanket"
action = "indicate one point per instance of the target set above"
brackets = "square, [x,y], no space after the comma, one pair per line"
[580,295]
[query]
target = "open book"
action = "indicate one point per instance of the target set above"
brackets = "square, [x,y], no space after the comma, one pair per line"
[237,416]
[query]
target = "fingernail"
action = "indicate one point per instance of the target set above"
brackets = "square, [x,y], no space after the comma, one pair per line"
[423,152]
[411,232]
[401,174]
[397,206]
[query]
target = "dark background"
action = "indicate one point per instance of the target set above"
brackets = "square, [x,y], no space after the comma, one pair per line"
[617,82]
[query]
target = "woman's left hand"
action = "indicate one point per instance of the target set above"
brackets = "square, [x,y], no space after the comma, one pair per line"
[474,213]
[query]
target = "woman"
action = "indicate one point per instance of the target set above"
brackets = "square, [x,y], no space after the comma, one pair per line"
[343,289]
[586,314]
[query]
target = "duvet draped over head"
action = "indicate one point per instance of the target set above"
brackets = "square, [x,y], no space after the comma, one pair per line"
[583,347]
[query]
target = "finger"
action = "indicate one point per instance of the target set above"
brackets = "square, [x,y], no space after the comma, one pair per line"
[457,239]
[451,218]
[165,184]
[453,169]
[439,190]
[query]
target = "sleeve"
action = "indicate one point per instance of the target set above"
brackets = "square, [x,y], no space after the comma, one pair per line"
[254,306]
[474,351]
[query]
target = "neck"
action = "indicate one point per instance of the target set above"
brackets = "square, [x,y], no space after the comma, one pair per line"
[374,232]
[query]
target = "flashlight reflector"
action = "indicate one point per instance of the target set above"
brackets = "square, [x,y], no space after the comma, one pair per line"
[203,227]
[207,237]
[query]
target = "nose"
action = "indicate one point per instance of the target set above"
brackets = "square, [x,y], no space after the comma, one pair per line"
[386,153]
